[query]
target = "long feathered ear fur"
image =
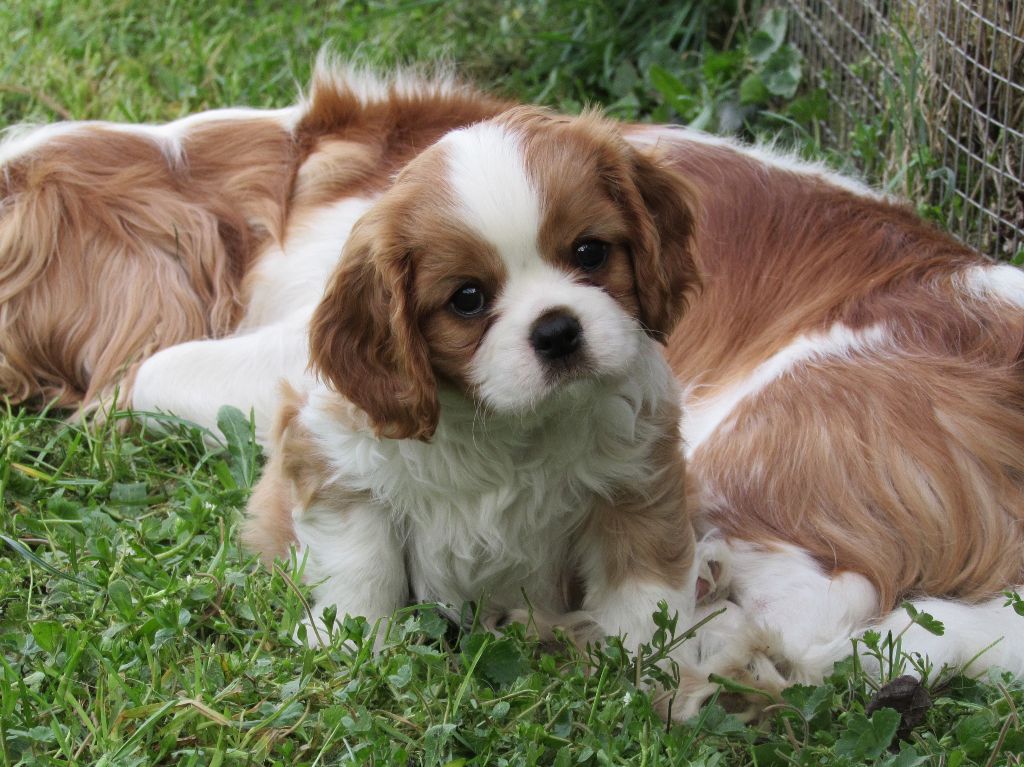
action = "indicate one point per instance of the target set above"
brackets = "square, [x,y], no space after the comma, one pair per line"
[365,341]
[666,275]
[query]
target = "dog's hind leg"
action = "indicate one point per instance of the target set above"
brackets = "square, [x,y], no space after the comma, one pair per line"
[785,622]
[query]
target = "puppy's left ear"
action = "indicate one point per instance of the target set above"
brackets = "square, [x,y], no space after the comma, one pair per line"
[663,243]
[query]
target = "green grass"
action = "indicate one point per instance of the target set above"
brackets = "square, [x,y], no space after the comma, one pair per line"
[133,630]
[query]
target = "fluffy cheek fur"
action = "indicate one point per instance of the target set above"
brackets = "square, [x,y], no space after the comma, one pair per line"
[507,374]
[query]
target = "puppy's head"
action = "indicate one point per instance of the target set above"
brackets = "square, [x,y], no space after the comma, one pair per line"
[510,259]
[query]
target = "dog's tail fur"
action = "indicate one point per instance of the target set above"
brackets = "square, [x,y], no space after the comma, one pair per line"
[117,242]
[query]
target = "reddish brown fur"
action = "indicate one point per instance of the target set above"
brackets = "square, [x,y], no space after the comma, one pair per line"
[396,129]
[645,209]
[646,533]
[903,465]
[365,336]
[109,250]
[268,526]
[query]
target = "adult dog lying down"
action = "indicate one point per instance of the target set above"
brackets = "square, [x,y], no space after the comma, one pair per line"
[494,408]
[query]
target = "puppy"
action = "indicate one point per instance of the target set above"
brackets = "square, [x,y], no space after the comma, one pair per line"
[852,406]
[497,420]
[516,424]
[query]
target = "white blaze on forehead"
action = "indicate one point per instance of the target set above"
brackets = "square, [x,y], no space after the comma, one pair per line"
[493,193]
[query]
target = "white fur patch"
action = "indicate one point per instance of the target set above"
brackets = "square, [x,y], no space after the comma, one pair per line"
[706,410]
[986,635]
[489,506]
[786,622]
[809,615]
[354,561]
[506,370]
[628,609]
[495,197]
[1001,281]
[493,194]
[296,273]
[194,379]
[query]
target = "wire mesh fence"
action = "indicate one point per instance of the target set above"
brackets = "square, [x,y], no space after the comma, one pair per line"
[928,97]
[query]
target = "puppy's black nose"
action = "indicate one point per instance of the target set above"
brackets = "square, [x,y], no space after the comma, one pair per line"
[555,335]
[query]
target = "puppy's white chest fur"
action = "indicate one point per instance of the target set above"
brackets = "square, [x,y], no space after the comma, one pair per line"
[488,508]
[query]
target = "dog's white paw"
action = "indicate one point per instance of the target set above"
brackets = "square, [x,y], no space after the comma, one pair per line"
[733,647]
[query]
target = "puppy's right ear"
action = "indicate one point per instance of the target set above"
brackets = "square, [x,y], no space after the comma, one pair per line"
[365,340]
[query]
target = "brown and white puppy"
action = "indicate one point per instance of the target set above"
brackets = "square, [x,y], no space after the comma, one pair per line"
[499,422]
[513,422]
[853,407]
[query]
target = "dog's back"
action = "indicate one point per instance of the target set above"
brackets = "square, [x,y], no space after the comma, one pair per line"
[853,379]
[853,411]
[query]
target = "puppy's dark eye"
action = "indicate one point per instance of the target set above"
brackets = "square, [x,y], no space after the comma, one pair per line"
[469,300]
[590,255]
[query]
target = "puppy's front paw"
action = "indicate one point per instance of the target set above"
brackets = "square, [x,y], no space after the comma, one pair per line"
[734,648]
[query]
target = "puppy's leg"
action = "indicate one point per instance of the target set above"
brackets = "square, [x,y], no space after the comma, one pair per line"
[354,558]
[634,555]
[630,559]
[353,554]
[193,380]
